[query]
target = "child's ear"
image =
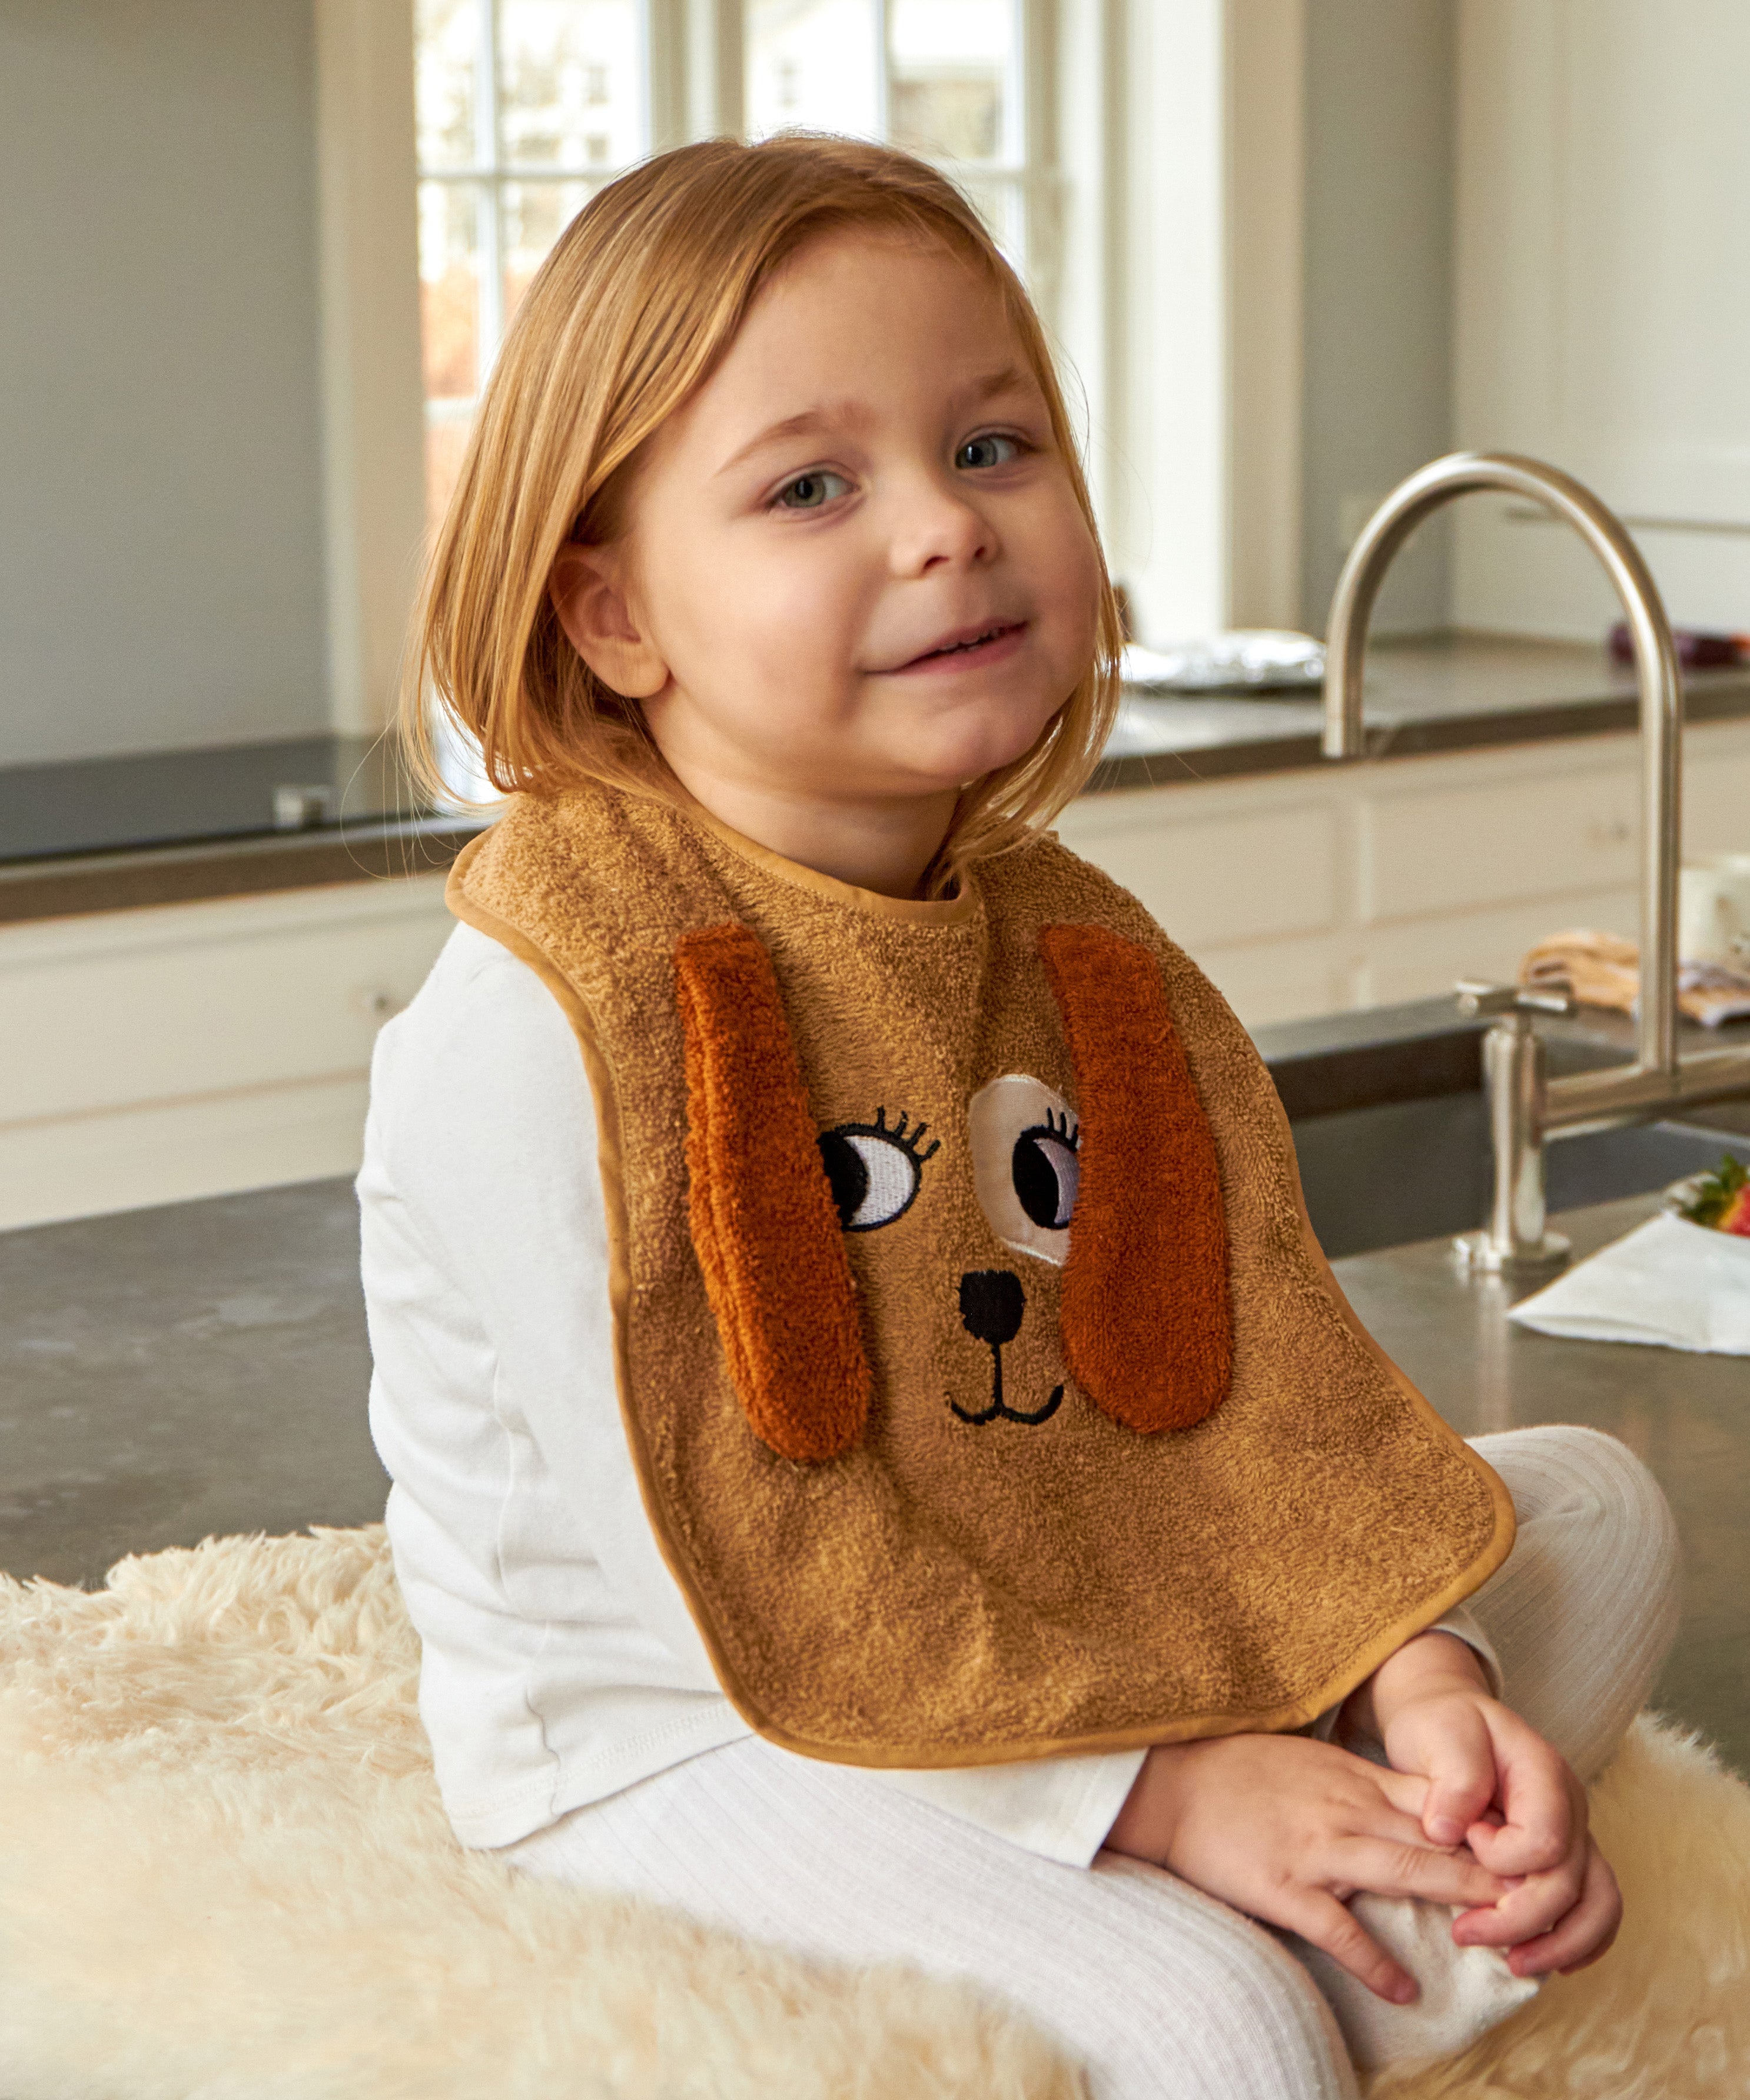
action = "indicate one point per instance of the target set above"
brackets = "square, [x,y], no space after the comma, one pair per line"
[589,590]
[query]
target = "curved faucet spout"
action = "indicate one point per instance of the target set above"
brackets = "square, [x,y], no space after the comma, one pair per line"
[1655,669]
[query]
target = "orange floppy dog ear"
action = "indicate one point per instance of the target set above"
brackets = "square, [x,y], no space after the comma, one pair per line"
[1147,1316]
[764,1224]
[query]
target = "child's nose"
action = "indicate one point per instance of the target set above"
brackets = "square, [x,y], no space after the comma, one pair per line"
[939,526]
[992,1302]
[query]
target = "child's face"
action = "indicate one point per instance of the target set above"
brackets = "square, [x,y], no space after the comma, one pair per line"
[855,566]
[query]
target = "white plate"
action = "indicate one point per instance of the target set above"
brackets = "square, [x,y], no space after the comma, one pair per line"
[1249,660]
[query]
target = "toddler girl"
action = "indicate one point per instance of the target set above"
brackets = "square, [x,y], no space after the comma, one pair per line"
[880,1463]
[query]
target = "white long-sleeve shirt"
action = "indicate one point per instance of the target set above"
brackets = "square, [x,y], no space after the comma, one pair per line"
[560,1662]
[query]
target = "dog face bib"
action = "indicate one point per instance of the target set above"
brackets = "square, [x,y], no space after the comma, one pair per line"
[986,1397]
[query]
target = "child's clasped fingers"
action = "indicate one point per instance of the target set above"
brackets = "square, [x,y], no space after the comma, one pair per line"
[1584,1933]
[1390,1869]
[1543,1808]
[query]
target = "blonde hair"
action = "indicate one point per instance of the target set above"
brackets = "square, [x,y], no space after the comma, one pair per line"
[628,316]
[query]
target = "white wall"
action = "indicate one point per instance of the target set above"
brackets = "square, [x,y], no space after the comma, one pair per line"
[1379,84]
[1201,469]
[161,500]
[1603,305]
[1167,486]
[1283,308]
[373,416]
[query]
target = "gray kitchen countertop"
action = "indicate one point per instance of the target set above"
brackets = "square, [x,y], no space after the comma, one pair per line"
[1425,694]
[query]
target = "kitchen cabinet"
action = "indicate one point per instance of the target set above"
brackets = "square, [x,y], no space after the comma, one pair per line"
[193,1049]
[1323,888]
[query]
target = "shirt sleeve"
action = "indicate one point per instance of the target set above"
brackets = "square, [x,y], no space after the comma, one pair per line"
[485,1129]
[1060,1807]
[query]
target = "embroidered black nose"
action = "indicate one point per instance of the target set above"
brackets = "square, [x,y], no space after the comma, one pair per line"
[992,1302]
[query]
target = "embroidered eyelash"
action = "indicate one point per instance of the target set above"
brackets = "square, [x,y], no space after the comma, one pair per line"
[1060,1127]
[907,1141]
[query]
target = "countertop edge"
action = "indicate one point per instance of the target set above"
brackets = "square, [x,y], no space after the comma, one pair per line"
[1547,722]
[83,884]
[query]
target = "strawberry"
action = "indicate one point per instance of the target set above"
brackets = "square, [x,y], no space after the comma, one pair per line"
[1721,1199]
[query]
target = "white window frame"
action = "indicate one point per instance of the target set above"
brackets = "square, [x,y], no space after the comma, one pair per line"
[679,38]
[1164,140]
[491,172]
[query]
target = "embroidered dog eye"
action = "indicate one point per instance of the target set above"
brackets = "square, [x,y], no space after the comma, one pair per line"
[874,1172]
[1045,1170]
[1025,1163]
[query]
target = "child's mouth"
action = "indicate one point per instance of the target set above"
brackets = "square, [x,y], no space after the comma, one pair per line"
[983,647]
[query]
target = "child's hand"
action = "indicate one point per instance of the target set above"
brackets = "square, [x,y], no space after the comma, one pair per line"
[1495,1784]
[1287,1829]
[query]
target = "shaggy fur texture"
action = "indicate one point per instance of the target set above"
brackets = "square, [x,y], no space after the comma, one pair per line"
[1150,1205]
[224,1875]
[763,1220]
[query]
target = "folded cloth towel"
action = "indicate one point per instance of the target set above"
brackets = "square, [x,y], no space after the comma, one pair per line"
[1668,1282]
[1605,970]
[1462,1991]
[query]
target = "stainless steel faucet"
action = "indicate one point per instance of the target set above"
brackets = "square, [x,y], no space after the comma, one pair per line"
[1526,1107]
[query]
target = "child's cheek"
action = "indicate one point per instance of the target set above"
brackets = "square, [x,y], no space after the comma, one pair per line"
[1063,566]
[803,616]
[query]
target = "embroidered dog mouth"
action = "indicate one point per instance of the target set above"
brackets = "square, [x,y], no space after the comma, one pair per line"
[992,1303]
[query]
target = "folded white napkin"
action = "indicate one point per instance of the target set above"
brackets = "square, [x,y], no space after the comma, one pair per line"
[1668,1282]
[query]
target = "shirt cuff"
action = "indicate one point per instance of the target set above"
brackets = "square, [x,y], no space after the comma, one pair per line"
[1461,1622]
[1059,1807]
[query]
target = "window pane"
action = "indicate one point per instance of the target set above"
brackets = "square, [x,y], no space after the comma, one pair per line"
[534,215]
[1000,203]
[446,440]
[813,64]
[950,61]
[447,63]
[571,93]
[449,289]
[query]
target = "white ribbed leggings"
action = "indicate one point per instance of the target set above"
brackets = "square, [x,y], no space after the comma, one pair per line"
[1163,1992]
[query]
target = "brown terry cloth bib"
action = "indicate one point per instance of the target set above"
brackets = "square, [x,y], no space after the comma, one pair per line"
[987,1398]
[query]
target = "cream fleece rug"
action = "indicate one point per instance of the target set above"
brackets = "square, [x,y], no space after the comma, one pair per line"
[224,1875]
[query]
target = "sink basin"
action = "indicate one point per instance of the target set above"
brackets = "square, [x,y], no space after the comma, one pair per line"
[1388,1114]
[1400,1171]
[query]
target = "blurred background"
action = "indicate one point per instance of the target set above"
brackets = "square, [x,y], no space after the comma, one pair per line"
[258,262]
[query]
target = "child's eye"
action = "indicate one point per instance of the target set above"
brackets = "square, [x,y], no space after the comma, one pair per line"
[990,450]
[810,491]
